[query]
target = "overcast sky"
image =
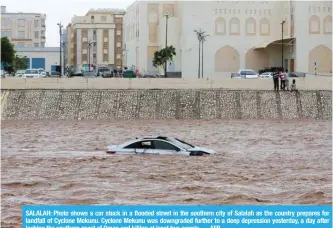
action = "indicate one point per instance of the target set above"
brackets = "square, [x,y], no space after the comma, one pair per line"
[60,11]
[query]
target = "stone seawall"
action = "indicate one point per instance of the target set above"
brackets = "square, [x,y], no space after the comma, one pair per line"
[164,104]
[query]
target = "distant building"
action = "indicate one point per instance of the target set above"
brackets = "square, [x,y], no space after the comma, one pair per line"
[242,35]
[46,58]
[145,30]
[23,29]
[102,26]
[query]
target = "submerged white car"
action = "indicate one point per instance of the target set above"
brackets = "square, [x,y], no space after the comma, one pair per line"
[158,145]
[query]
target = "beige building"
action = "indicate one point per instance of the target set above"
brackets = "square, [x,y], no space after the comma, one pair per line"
[242,35]
[102,29]
[23,29]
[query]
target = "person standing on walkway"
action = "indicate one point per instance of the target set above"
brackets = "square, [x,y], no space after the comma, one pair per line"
[276,80]
[287,80]
[283,80]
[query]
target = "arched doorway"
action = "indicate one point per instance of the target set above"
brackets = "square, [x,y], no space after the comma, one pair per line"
[227,60]
[257,59]
[322,55]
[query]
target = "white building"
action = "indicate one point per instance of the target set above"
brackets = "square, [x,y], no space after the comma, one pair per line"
[47,58]
[23,29]
[99,35]
[242,35]
[145,30]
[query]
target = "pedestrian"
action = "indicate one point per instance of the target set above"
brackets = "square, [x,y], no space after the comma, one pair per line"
[293,86]
[287,79]
[283,80]
[276,80]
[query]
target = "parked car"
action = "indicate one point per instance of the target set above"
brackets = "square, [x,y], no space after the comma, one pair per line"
[76,73]
[19,73]
[266,75]
[129,74]
[248,74]
[158,145]
[54,74]
[149,75]
[293,75]
[104,72]
[31,73]
[90,74]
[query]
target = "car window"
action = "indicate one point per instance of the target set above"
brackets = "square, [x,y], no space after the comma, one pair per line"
[250,73]
[31,72]
[242,72]
[140,145]
[160,145]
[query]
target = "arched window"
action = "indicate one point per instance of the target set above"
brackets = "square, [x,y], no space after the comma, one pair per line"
[250,27]
[220,26]
[265,27]
[328,25]
[234,26]
[314,25]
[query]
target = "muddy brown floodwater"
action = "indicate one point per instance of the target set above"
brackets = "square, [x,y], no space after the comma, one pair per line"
[258,162]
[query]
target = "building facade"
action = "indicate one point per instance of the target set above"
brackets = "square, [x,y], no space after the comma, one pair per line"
[242,35]
[23,29]
[145,33]
[46,58]
[97,37]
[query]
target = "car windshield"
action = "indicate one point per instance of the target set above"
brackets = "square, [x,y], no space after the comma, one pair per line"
[250,73]
[31,72]
[181,143]
[103,70]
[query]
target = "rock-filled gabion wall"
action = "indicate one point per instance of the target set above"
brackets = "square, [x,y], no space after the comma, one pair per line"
[164,104]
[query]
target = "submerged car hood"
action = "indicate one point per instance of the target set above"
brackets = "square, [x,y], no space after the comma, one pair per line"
[210,151]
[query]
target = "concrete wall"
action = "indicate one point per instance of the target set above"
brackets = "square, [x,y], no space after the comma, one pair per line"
[164,104]
[308,83]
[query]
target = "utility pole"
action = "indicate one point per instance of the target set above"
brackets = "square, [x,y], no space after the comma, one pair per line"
[60,33]
[282,45]
[90,43]
[166,41]
[64,48]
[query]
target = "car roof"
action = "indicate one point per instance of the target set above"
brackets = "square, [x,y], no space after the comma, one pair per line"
[154,137]
[146,138]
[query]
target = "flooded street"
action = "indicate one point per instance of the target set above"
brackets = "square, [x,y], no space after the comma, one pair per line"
[258,162]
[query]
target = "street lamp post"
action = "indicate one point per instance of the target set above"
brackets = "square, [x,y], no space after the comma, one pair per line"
[64,48]
[166,41]
[60,33]
[282,45]
[90,43]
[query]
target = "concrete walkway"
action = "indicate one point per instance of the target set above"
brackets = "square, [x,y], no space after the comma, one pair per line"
[311,83]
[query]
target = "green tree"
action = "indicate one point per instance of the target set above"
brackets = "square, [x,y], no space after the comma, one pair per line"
[20,63]
[162,56]
[7,52]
